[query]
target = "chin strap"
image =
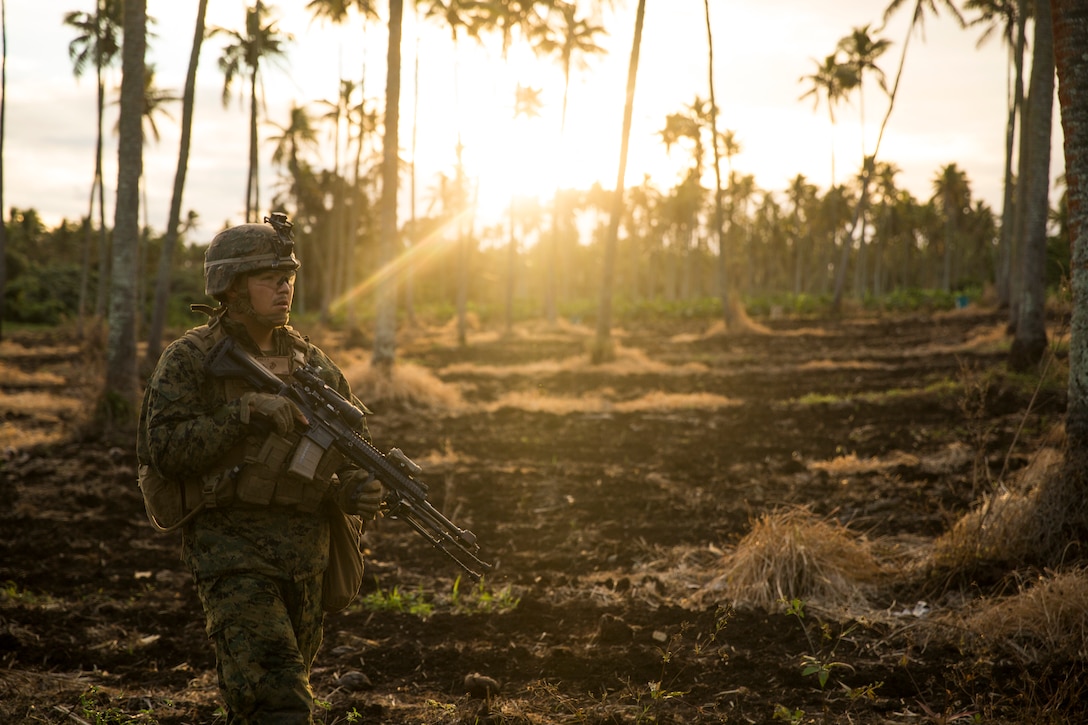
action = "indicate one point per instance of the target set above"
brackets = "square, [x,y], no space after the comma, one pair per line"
[208,310]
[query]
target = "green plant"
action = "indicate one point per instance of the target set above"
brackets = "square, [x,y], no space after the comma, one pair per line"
[482,599]
[818,663]
[414,603]
[781,712]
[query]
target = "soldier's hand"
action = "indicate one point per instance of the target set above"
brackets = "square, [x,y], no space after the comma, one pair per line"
[278,411]
[360,494]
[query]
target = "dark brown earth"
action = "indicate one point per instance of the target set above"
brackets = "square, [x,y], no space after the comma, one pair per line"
[606,499]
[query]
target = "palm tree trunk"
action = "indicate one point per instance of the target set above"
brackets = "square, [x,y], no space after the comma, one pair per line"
[252,202]
[1070,23]
[121,391]
[385,323]
[602,349]
[724,290]
[169,242]
[1030,342]
[103,240]
[1016,103]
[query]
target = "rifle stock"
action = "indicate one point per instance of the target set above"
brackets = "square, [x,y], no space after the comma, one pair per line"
[333,421]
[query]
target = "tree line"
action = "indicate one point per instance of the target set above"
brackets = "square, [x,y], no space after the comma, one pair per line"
[863,237]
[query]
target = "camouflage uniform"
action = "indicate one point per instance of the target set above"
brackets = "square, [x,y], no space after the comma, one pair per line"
[258,569]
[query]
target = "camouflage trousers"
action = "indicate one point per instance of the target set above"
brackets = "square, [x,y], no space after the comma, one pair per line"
[266,634]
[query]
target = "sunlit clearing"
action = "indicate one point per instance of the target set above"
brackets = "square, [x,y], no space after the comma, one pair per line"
[415,256]
[599,404]
[14,377]
[409,385]
[36,418]
[792,554]
[628,361]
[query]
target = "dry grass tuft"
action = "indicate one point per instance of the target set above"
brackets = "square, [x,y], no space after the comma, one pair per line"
[409,385]
[1045,621]
[850,464]
[1007,526]
[792,554]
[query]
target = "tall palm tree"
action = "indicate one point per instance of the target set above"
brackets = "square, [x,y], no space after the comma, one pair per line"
[170,239]
[1030,342]
[1070,24]
[242,56]
[602,347]
[724,289]
[121,392]
[832,81]
[385,322]
[862,51]
[97,45]
[1011,17]
[869,162]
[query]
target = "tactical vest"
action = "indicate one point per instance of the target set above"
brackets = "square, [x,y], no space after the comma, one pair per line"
[269,470]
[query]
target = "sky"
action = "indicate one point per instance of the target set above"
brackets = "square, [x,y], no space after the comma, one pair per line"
[951,106]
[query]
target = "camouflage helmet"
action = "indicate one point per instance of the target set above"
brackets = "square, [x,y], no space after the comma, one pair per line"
[248,248]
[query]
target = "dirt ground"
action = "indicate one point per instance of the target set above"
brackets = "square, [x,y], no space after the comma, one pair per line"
[608,499]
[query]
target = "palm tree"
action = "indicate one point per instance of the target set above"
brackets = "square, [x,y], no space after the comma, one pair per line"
[293,138]
[242,57]
[869,162]
[97,45]
[504,16]
[602,348]
[861,55]
[121,394]
[1069,518]
[719,212]
[170,240]
[887,193]
[801,195]
[385,322]
[1012,16]
[862,52]
[1030,342]
[952,195]
[833,82]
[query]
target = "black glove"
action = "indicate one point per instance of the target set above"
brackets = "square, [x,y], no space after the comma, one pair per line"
[280,412]
[360,494]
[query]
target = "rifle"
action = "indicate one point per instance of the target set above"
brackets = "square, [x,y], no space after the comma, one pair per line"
[333,421]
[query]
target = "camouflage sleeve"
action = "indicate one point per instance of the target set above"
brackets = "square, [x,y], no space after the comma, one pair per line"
[188,429]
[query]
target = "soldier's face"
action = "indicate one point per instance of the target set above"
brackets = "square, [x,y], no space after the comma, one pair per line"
[270,295]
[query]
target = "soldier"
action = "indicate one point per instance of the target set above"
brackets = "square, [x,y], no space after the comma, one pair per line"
[255,537]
